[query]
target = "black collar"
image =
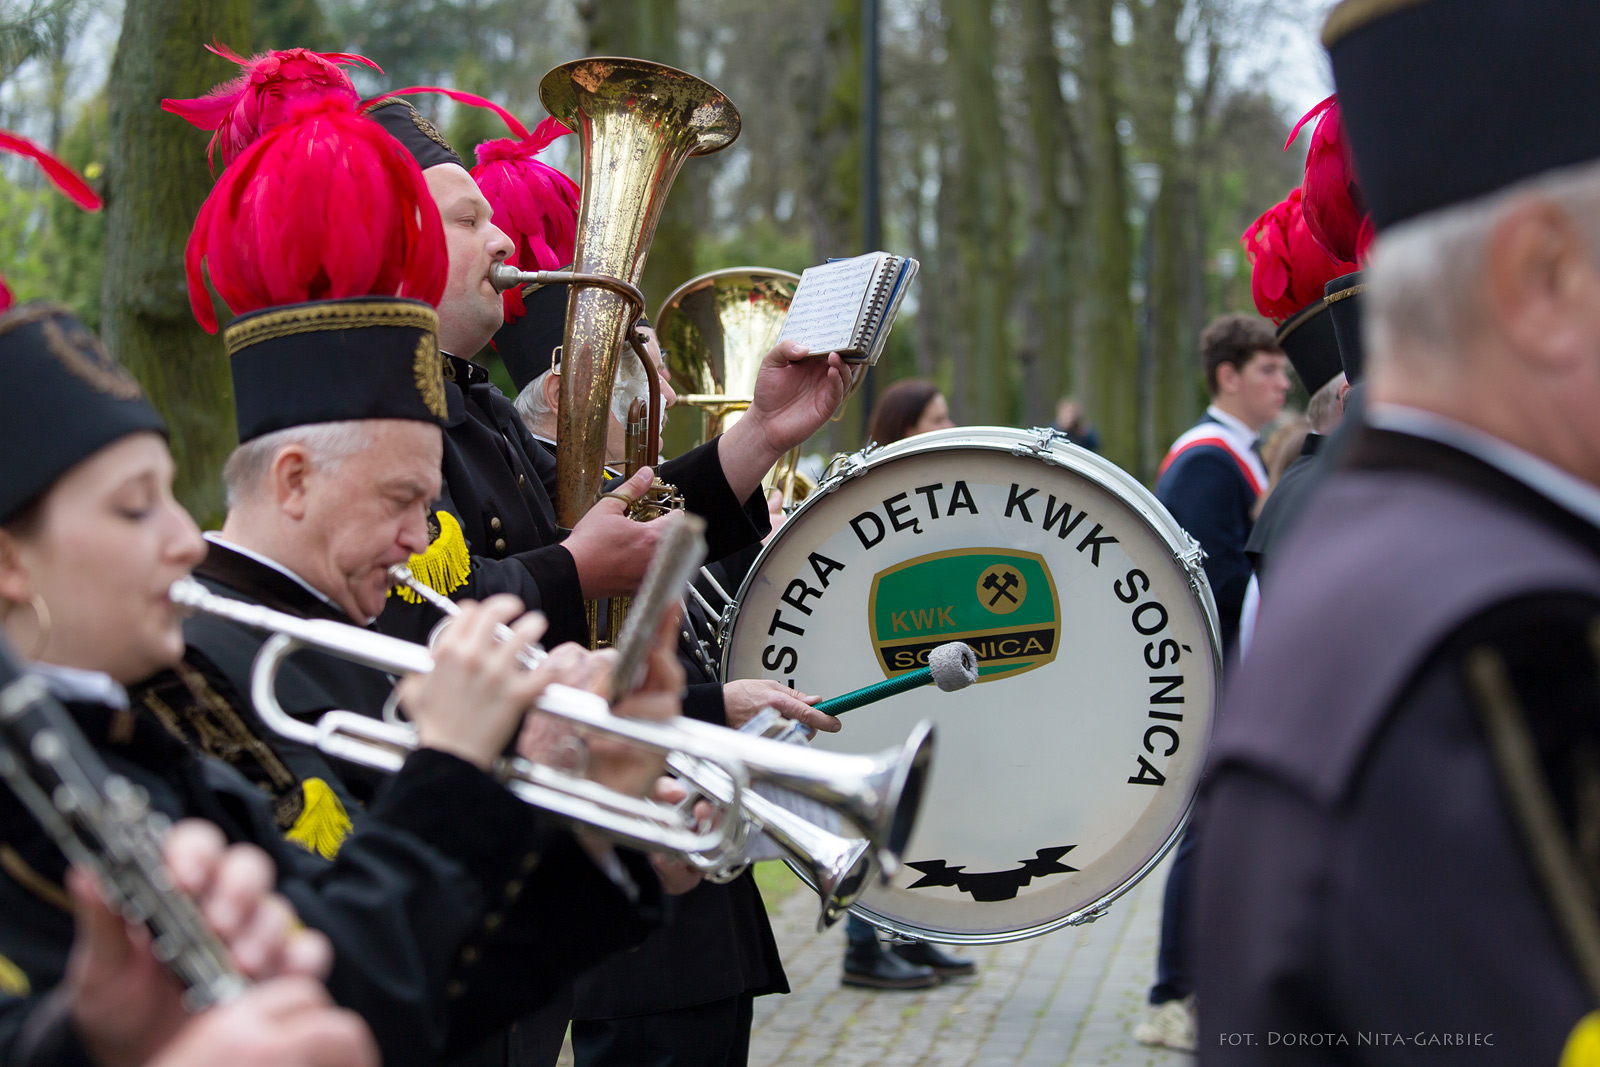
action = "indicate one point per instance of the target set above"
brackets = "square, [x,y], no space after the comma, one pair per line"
[1309,446]
[260,583]
[463,372]
[1378,450]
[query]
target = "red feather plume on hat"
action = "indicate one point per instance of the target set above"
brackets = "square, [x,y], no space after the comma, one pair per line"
[534,203]
[1288,268]
[61,176]
[325,206]
[262,97]
[1335,208]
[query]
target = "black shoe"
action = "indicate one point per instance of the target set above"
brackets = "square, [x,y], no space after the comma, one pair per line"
[935,959]
[868,965]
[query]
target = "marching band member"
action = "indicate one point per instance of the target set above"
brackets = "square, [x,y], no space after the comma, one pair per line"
[1400,837]
[437,892]
[499,483]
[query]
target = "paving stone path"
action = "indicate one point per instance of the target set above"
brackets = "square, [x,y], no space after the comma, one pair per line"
[1068,999]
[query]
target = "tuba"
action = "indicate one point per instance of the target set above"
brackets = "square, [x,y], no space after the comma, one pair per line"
[637,122]
[714,330]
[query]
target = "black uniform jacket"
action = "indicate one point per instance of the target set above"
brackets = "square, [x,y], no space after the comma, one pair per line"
[207,700]
[1283,506]
[1362,888]
[499,484]
[452,908]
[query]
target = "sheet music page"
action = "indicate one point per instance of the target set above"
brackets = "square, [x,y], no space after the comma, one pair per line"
[827,305]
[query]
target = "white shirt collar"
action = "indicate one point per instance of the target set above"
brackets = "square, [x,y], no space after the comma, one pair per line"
[1543,477]
[74,684]
[217,539]
[1235,425]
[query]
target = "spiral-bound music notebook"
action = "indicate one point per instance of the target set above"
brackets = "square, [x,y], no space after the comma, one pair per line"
[848,305]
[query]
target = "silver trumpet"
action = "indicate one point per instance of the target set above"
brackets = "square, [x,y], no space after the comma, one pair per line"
[879,793]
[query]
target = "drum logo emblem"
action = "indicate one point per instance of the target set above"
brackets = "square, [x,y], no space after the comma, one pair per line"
[1000,601]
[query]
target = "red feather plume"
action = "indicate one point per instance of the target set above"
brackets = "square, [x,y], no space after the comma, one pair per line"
[262,97]
[1335,208]
[1288,268]
[61,176]
[534,204]
[325,206]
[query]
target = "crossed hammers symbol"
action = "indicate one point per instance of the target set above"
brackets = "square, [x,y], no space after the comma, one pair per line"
[1002,585]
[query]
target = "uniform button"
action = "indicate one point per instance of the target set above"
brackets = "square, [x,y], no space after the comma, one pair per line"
[530,861]
[499,544]
[521,481]
[494,524]
[492,921]
[454,989]
[469,955]
[513,890]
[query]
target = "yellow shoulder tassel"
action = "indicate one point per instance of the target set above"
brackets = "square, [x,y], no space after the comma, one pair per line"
[323,824]
[1583,1044]
[445,566]
[13,982]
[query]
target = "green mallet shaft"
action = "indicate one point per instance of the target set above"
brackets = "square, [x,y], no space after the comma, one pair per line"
[871,694]
[951,666]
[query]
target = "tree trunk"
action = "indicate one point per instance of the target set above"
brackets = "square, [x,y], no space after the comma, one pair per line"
[648,29]
[1112,399]
[833,175]
[156,179]
[1169,390]
[982,210]
[1048,260]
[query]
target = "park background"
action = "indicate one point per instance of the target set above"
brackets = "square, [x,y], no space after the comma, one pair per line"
[1074,175]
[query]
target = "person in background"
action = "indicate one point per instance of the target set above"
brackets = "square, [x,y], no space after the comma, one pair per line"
[1279,451]
[1074,422]
[1210,481]
[904,410]
[908,408]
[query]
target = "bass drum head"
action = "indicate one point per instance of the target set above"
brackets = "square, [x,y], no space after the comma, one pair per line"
[1067,771]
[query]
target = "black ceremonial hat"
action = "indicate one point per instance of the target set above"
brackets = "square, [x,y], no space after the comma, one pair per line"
[1445,101]
[1307,338]
[368,357]
[64,399]
[527,345]
[1343,297]
[406,125]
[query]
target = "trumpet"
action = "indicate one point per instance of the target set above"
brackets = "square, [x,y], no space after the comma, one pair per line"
[879,793]
[840,867]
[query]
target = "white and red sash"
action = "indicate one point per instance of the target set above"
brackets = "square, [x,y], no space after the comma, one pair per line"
[1210,431]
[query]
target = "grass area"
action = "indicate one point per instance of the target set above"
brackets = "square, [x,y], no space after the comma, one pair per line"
[777,883]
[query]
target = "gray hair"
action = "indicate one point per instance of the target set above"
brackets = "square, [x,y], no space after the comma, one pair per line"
[630,382]
[1324,410]
[328,444]
[1425,274]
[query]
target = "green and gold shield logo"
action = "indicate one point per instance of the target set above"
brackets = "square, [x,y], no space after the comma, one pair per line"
[1000,601]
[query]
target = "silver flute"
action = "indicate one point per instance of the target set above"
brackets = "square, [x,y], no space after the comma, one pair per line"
[103,823]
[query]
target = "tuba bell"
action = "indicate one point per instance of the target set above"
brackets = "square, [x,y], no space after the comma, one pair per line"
[637,123]
[714,330]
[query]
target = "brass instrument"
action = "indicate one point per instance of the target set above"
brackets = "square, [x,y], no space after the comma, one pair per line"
[103,823]
[880,794]
[714,331]
[841,868]
[637,123]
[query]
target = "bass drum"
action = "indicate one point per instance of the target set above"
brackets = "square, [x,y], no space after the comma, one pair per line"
[1067,772]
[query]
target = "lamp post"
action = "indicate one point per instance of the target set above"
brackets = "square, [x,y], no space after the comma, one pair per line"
[1147,189]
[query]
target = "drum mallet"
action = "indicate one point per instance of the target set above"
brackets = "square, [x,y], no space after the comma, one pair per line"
[950,667]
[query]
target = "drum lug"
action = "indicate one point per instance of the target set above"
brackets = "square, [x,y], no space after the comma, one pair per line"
[844,467]
[1193,560]
[1042,447]
[1094,914]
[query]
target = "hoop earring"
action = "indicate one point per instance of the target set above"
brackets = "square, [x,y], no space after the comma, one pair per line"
[41,616]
